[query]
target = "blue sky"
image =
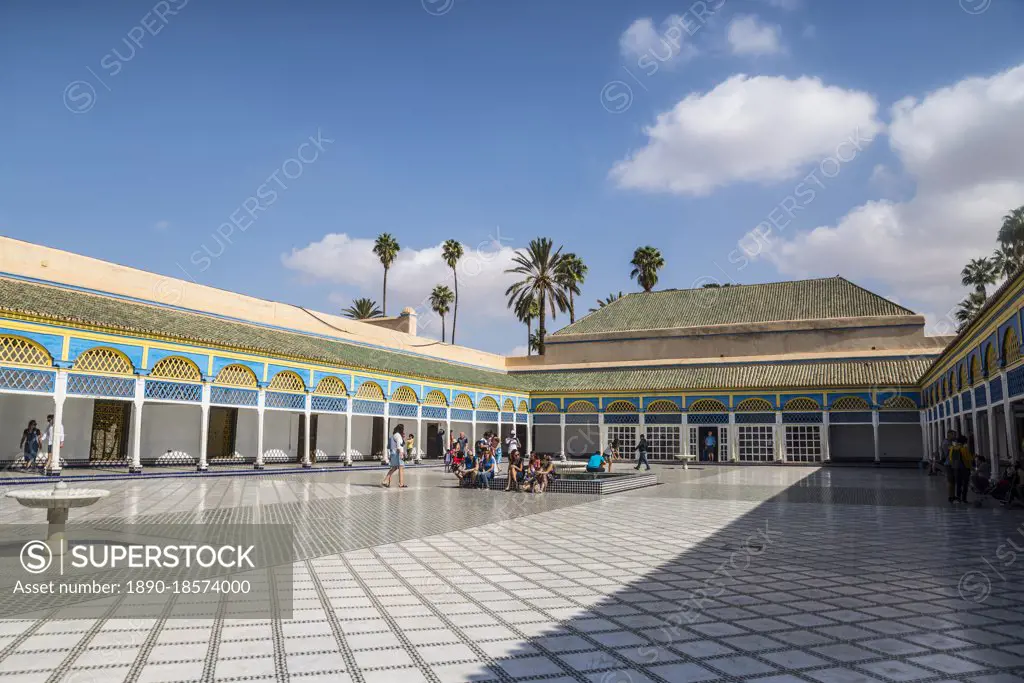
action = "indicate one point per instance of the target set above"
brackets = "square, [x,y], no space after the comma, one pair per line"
[488,121]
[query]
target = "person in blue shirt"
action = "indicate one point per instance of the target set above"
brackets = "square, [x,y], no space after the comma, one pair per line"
[709,447]
[596,463]
[487,469]
[470,468]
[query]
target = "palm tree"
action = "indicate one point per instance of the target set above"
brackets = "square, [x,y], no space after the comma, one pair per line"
[363,308]
[526,310]
[969,308]
[647,261]
[1005,261]
[441,300]
[386,248]
[979,273]
[601,303]
[538,266]
[571,273]
[451,252]
[1011,233]
[534,344]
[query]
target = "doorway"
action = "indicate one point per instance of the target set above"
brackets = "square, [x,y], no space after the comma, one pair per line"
[708,453]
[377,444]
[312,437]
[110,425]
[220,442]
[433,447]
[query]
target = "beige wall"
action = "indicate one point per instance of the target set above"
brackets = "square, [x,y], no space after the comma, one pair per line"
[45,263]
[879,337]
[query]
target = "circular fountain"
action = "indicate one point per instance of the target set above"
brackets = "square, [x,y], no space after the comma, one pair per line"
[57,502]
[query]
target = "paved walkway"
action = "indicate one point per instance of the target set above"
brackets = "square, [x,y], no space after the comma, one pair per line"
[723,573]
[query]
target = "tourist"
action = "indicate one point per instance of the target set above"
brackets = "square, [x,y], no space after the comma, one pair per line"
[546,473]
[488,466]
[396,448]
[470,467]
[512,442]
[710,441]
[52,433]
[982,474]
[29,445]
[462,443]
[641,449]
[410,446]
[532,472]
[441,444]
[496,448]
[611,453]
[960,461]
[515,471]
[947,446]
[596,463]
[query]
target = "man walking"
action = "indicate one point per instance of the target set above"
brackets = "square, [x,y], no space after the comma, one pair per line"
[53,432]
[641,449]
[709,446]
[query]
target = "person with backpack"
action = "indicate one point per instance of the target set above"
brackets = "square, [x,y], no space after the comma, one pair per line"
[960,462]
[641,449]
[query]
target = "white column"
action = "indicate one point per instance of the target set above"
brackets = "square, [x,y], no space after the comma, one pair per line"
[684,434]
[826,424]
[780,438]
[261,402]
[140,394]
[734,438]
[501,434]
[59,394]
[348,431]
[993,454]
[925,440]
[307,457]
[561,432]
[529,433]
[642,427]
[204,427]
[875,431]
[472,428]
[420,440]
[602,433]
[1009,423]
[387,432]
[447,429]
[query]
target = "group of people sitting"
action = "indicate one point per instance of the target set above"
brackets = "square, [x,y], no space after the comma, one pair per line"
[964,469]
[478,466]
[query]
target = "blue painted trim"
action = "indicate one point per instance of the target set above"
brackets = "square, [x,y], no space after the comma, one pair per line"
[786,398]
[675,400]
[690,400]
[219,363]
[318,375]
[833,397]
[274,369]
[201,360]
[739,398]
[77,346]
[607,401]
[54,344]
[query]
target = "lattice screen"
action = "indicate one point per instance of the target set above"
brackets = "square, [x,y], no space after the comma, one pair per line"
[370,391]
[850,403]
[754,405]
[236,376]
[802,404]
[331,386]
[287,381]
[620,407]
[488,403]
[976,369]
[508,406]
[435,398]
[404,395]
[1011,347]
[176,367]
[20,351]
[662,407]
[991,361]
[708,405]
[524,407]
[899,403]
[581,407]
[462,401]
[107,361]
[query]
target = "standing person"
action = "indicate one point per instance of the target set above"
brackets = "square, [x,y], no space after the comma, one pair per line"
[496,448]
[441,444]
[30,444]
[962,462]
[53,432]
[641,449]
[945,452]
[709,446]
[512,442]
[611,452]
[461,443]
[410,446]
[396,448]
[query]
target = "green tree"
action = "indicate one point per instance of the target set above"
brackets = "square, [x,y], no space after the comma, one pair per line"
[538,267]
[647,261]
[969,309]
[1005,261]
[362,308]
[386,248]
[1011,233]
[451,252]
[571,274]
[979,273]
[441,300]
[534,344]
[601,303]
[526,310]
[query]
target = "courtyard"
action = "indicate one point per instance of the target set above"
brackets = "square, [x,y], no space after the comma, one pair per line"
[823,575]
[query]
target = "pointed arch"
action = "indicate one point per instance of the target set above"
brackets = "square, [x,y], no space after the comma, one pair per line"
[236,376]
[286,380]
[976,373]
[546,407]
[370,391]
[754,405]
[899,403]
[620,407]
[404,394]
[523,407]
[331,386]
[106,360]
[708,405]
[964,381]
[435,398]
[508,406]
[1011,347]
[661,406]
[849,403]
[991,360]
[22,351]
[462,401]
[802,404]
[487,403]
[176,367]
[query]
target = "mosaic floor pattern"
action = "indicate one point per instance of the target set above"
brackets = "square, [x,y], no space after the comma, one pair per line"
[719,574]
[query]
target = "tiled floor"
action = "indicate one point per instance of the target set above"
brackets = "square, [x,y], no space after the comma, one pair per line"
[756,574]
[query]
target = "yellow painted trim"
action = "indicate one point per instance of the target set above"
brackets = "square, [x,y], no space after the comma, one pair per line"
[145,356]
[65,348]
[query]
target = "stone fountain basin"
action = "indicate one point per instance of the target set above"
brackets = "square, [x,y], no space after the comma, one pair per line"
[58,497]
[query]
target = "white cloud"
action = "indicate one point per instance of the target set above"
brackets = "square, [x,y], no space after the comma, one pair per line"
[343,260]
[964,147]
[650,46]
[517,351]
[788,5]
[761,129]
[749,36]
[160,226]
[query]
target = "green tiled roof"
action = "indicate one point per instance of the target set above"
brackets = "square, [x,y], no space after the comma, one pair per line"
[833,297]
[818,374]
[75,307]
